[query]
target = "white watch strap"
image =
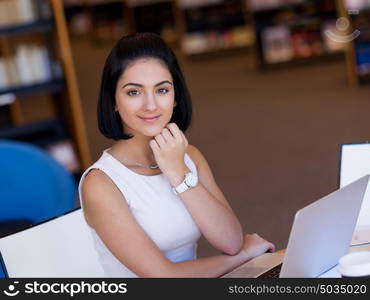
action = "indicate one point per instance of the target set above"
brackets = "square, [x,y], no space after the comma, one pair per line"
[181,188]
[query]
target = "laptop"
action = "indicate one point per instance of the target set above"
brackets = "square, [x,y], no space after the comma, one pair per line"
[59,247]
[354,162]
[3,271]
[320,235]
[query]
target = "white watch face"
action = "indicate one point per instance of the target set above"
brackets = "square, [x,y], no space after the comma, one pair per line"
[191,180]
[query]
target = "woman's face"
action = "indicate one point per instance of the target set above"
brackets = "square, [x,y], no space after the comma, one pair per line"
[145,97]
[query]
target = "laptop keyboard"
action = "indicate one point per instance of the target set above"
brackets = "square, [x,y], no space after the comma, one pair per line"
[272,273]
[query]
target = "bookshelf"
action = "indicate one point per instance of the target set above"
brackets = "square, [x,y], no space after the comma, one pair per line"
[39,97]
[293,31]
[78,18]
[356,37]
[108,20]
[100,21]
[210,26]
[156,16]
[196,27]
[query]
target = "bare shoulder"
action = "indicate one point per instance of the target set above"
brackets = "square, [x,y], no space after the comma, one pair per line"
[99,194]
[96,181]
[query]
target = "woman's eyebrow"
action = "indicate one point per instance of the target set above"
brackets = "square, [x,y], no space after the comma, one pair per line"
[134,84]
[162,82]
[140,85]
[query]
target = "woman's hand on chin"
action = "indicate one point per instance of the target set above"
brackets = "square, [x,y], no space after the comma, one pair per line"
[169,149]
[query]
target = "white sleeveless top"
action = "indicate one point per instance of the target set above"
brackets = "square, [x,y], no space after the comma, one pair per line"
[160,212]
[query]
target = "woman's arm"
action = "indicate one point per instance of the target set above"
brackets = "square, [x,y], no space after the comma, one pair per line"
[205,202]
[106,210]
[210,209]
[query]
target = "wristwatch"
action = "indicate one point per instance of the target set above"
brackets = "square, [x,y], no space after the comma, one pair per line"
[190,181]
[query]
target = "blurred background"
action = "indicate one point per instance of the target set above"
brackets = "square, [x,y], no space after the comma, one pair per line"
[277,87]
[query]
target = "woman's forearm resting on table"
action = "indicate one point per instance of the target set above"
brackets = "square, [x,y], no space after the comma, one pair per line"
[218,223]
[213,266]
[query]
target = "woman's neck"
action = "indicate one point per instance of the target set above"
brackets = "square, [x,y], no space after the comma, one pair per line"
[136,149]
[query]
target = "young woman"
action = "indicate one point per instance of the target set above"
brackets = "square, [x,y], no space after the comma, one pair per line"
[151,195]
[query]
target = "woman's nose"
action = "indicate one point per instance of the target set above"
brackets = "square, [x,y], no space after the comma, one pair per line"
[150,102]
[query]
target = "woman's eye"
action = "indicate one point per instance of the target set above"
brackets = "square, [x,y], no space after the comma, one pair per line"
[163,91]
[133,93]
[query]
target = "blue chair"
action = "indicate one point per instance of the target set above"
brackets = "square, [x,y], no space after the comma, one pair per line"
[33,186]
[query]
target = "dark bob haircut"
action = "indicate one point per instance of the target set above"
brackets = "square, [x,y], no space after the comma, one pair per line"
[127,50]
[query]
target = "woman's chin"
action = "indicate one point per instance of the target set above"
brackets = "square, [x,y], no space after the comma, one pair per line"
[152,133]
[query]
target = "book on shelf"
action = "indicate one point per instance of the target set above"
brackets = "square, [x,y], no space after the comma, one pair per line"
[15,12]
[199,42]
[11,69]
[25,11]
[80,23]
[361,43]
[7,99]
[357,4]
[31,64]
[43,10]
[363,58]
[258,5]
[194,43]
[169,34]
[277,44]
[4,80]
[110,30]
[306,44]
[281,43]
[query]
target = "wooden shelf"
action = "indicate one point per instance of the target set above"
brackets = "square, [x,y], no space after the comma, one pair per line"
[40,26]
[303,60]
[39,133]
[216,50]
[218,53]
[269,10]
[54,86]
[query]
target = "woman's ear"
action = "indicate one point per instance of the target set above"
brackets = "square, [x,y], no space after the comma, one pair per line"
[115,108]
[174,104]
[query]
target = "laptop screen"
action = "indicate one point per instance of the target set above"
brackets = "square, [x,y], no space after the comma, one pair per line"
[3,272]
[355,163]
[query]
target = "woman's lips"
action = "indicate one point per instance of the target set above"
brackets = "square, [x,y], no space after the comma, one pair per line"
[150,119]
